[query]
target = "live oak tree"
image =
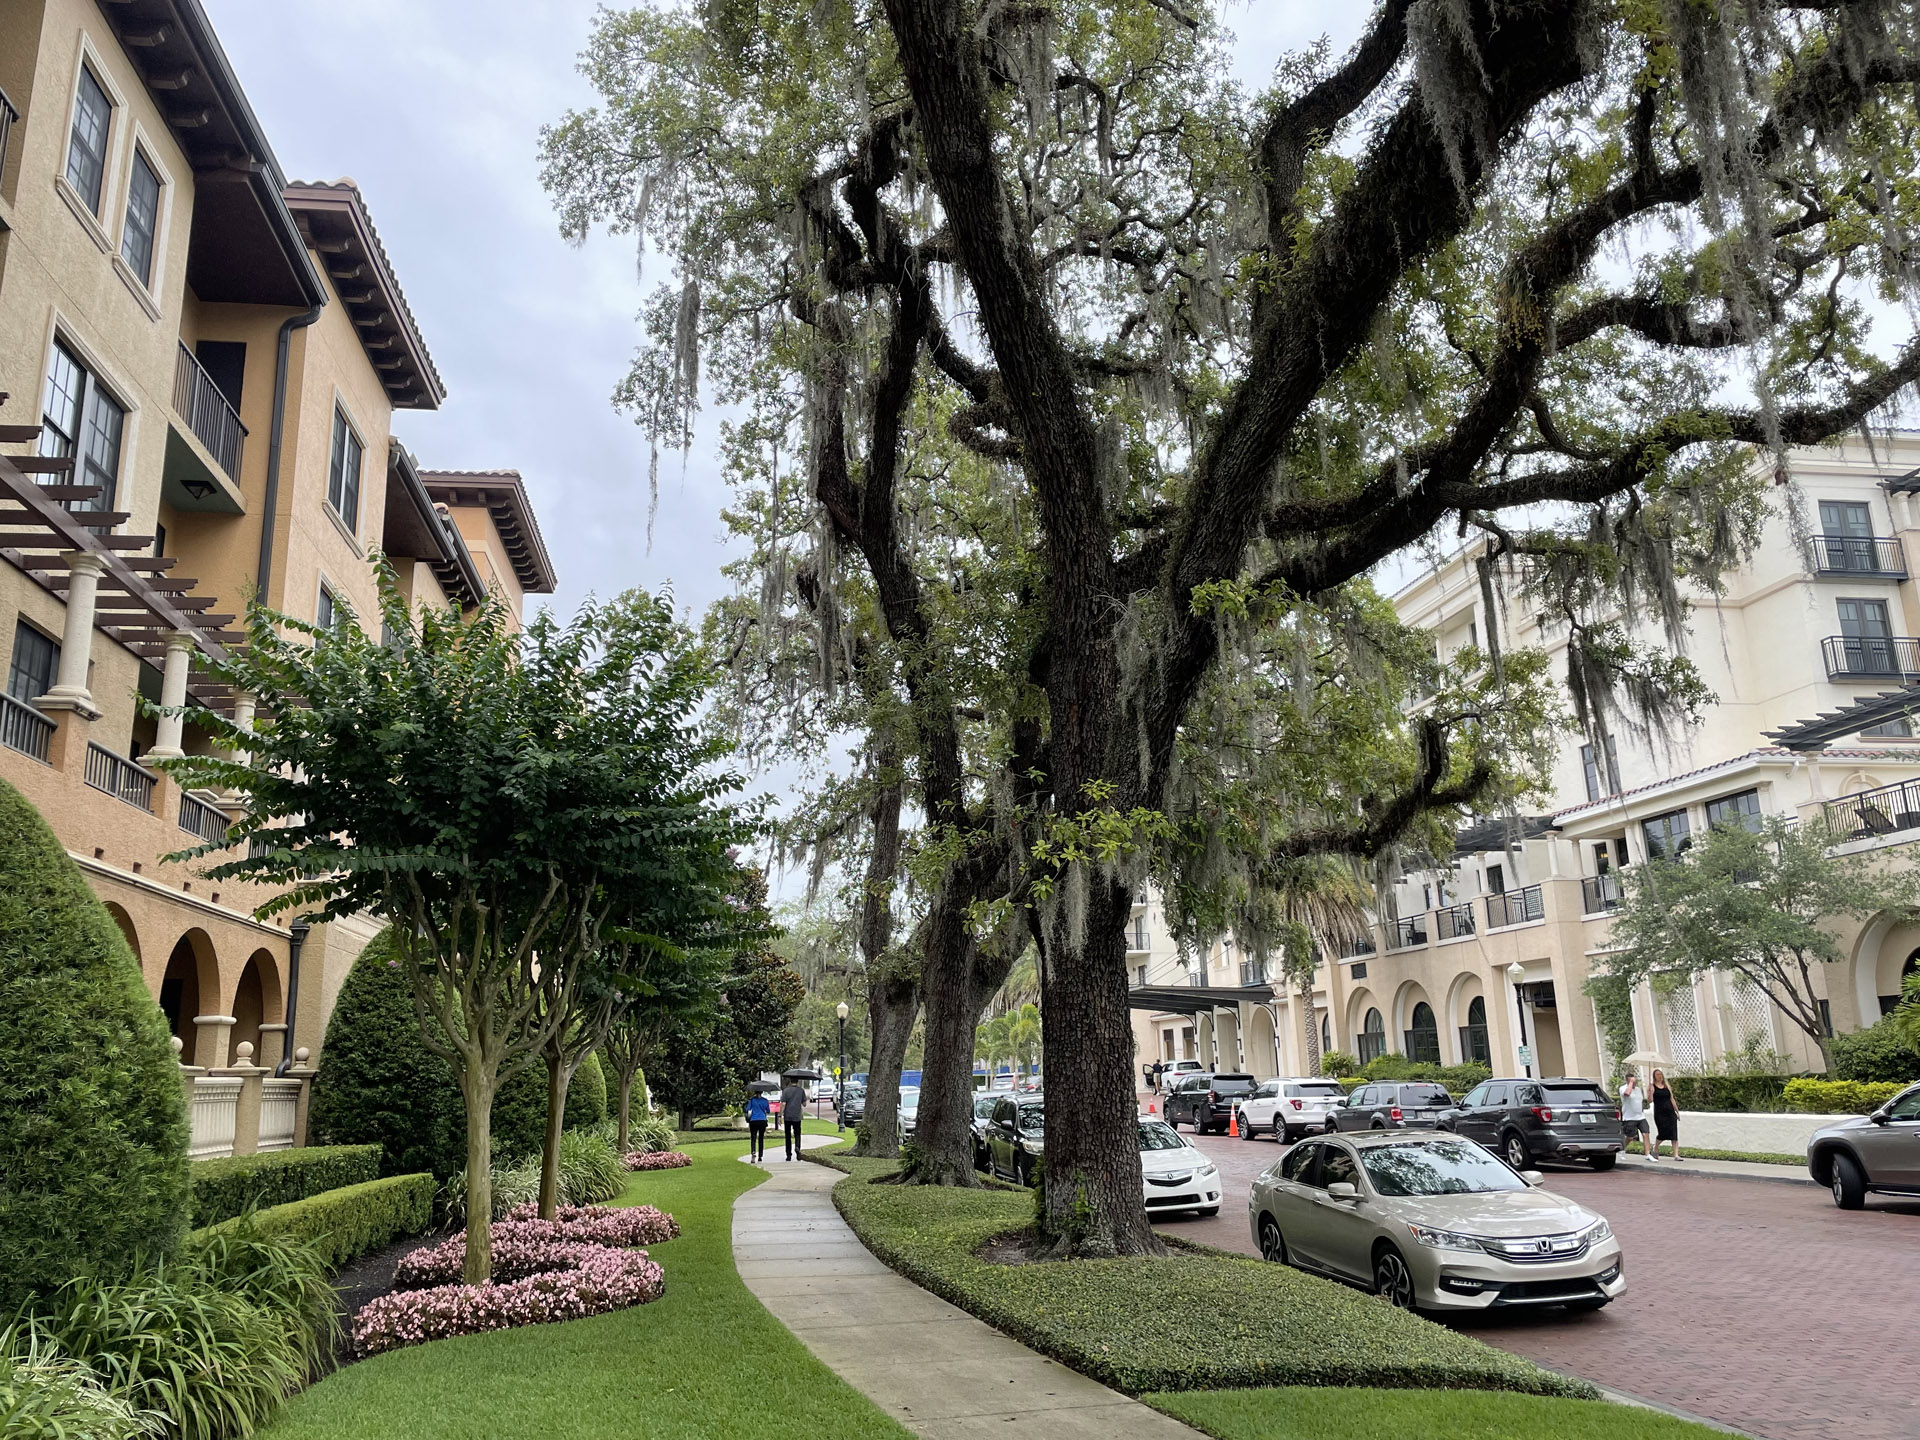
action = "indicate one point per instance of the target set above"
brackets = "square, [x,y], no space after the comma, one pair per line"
[1542,274]
[1759,904]
[525,807]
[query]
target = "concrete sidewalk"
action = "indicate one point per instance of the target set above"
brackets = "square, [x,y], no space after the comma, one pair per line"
[1732,1169]
[933,1367]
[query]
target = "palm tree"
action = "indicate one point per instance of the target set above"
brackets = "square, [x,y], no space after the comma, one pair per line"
[1023,1035]
[1321,903]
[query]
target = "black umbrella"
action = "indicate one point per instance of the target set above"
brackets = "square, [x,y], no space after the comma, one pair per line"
[762,1087]
[800,1075]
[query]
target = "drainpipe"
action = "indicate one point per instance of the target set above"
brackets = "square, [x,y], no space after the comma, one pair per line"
[296,937]
[264,572]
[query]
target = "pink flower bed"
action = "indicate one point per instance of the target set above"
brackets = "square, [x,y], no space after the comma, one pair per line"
[656,1159]
[522,1244]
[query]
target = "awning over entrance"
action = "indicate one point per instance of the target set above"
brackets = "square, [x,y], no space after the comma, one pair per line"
[1196,999]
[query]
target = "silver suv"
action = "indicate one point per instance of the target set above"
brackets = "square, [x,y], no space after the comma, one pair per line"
[1879,1152]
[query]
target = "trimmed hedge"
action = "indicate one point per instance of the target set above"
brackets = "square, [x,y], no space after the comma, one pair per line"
[93,1123]
[225,1188]
[1878,1052]
[1193,1320]
[344,1224]
[1840,1097]
[1730,1094]
[1458,1079]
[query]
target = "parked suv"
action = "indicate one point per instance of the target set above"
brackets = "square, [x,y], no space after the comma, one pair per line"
[1524,1120]
[1289,1108]
[1391,1105]
[1016,1137]
[1878,1152]
[1206,1101]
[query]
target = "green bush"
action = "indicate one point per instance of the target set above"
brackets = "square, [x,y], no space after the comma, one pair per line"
[1338,1063]
[284,1273]
[1193,1320]
[1735,1094]
[514,1183]
[225,1188]
[1879,1052]
[586,1095]
[649,1133]
[1840,1097]
[1456,1079]
[590,1170]
[46,1396]
[340,1225]
[93,1123]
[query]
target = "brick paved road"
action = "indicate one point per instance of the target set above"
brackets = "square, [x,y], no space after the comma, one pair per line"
[1757,1305]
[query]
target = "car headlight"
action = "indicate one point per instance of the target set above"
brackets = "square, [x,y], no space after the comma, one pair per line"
[1597,1232]
[1208,1169]
[1443,1239]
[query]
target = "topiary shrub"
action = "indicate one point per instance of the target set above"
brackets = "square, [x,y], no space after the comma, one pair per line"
[225,1188]
[1840,1097]
[93,1123]
[1338,1063]
[1879,1052]
[587,1095]
[340,1225]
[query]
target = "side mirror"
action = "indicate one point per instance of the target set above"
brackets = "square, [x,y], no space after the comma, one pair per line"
[1341,1190]
[1880,1117]
[1533,1177]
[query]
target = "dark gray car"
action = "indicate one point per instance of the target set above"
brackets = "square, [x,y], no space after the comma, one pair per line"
[1879,1152]
[1391,1105]
[1523,1121]
[1205,1101]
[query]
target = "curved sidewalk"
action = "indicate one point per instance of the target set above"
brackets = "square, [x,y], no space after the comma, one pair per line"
[932,1367]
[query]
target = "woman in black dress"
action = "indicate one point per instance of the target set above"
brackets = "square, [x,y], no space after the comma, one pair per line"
[1666,1115]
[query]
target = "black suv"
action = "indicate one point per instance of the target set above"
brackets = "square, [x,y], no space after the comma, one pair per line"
[1524,1120]
[1206,1101]
[1391,1105]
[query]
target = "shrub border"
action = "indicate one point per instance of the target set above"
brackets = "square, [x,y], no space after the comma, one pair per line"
[228,1186]
[346,1223]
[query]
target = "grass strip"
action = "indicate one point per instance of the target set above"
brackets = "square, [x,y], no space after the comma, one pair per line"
[1298,1413]
[1185,1321]
[811,1126]
[1752,1157]
[704,1362]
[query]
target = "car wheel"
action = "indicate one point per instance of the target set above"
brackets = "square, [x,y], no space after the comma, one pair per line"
[1849,1184]
[1604,1162]
[1273,1245]
[1332,1129]
[1246,1126]
[1378,1124]
[1023,1172]
[1515,1151]
[1392,1280]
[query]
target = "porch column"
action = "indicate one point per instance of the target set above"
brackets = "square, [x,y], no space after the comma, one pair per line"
[210,1044]
[70,690]
[173,694]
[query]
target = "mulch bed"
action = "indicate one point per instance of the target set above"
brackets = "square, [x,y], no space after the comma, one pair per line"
[362,1280]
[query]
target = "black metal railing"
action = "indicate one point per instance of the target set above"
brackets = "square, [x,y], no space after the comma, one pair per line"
[1875,812]
[1871,657]
[202,820]
[7,116]
[119,776]
[1403,934]
[208,412]
[1252,972]
[1137,935]
[1859,555]
[1452,921]
[1363,946]
[1516,907]
[1599,894]
[24,728]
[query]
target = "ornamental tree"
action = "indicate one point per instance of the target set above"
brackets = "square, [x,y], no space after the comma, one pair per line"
[511,801]
[1543,274]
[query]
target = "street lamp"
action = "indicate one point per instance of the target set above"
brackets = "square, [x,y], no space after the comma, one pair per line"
[840,1087]
[1517,973]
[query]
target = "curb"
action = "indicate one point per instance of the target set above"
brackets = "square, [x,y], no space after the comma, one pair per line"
[1687,1169]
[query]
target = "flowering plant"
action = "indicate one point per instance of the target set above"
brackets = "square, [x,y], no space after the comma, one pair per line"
[656,1159]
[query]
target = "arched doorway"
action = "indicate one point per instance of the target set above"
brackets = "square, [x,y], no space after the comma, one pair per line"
[189,986]
[1423,1034]
[1475,1047]
[256,1002]
[1263,1045]
[1373,1036]
[1889,1003]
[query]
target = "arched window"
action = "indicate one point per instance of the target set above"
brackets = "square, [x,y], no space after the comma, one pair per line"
[1423,1035]
[1326,1034]
[1474,1044]
[1889,1003]
[1372,1037]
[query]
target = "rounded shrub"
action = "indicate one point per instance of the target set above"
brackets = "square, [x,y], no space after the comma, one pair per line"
[1879,1052]
[93,1124]
[587,1095]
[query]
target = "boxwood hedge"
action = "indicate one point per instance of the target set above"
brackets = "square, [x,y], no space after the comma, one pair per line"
[345,1223]
[1192,1320]
[1840,1097]
[224,1188]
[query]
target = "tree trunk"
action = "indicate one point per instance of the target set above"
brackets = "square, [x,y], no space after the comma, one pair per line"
[626,1108]
[1312,1029]
[476,1087]
[559,1076]
[894,1001]
[960,977]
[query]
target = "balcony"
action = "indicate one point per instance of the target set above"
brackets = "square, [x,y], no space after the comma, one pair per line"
[202,821]
[1855,555]
[1599,894]
[1253,972]
[1872,657]
[119,776]
[1516,907]
[1363,946]
[1885,811]
[1454,922]
[1405,934]
[1137,936]
[213,433]
[24,728]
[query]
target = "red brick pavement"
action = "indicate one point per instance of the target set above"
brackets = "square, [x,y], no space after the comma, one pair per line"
[1758,1305]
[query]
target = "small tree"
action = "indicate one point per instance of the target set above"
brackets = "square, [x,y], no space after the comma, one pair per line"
[1759,903]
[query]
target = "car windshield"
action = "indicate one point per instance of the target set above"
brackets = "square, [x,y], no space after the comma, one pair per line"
[1157,1135]
[1033,1119]
[1233,1084]
[1436,1167]
[1575,1095]
[1329,1087]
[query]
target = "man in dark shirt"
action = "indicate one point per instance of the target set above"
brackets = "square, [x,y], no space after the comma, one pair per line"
[793,1109]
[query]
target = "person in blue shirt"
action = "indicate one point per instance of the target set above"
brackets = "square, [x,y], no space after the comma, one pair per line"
[758,1111]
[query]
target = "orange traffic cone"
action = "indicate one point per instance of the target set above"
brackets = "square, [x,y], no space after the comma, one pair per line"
[1149,1107]
[1233,1124]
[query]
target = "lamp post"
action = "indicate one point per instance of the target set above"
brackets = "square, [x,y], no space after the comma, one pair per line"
[1517,973]
[840,1080]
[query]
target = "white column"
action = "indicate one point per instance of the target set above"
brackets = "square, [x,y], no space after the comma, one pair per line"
[173,694]
[243,720]
[70,691]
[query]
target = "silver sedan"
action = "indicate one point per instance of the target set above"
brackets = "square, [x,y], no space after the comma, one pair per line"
[1431,1222]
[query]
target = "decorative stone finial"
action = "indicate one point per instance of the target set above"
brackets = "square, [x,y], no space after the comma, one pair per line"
[301,1054]
[243,1053]
[178,1044]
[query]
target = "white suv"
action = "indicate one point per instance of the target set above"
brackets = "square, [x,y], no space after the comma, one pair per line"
[1289,1108]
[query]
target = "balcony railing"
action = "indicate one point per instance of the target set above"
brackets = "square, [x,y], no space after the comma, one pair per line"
[207,413]
[1875,812]
[7,116]
[1403,934]
[1516,907]
[202,820]
[24,728]
[1453,921]
[1871,657]
[1252,972]
[1599,894]
[1137,935]
[1364,946]
[1860,555]
[119,776]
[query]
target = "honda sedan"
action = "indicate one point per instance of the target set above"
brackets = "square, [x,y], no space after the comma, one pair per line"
[1432,1222]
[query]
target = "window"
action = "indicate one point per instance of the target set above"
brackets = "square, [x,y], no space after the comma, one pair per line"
[1846,517]
[1742,810]
[1423,1035]
[1474,1097]
[1601,779]
[1298,1166]
[87,142]
[1496,1095]
[143,218]
[1666,835]
[1496,880]
[36,661]
[326,614]
[343,472]
[81,420]
[1906,1107]
[1337,1168]
[1898,729]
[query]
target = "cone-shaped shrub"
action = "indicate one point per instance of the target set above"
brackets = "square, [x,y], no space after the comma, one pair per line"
[93,1124]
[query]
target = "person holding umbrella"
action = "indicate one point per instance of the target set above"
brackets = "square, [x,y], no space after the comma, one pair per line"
[793,1109]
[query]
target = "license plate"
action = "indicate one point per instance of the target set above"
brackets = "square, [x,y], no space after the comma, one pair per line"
[1588,1120]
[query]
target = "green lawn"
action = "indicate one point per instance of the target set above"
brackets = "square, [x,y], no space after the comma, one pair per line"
[1306,1414]
[1752,1157]
[704,1362]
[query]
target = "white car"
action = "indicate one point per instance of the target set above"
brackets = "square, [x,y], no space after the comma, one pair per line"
[1289,1108]
[1174,1174]
[823,1090]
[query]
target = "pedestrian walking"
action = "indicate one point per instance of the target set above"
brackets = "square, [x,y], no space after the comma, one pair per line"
[793,1109]
[1666,1116]
[1633,1114]
[758,1112]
